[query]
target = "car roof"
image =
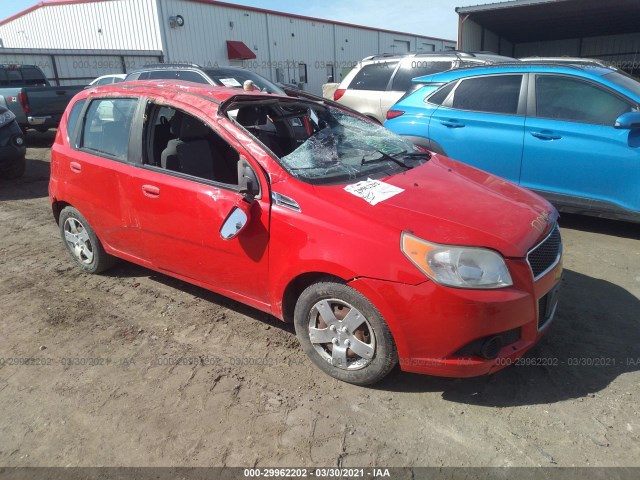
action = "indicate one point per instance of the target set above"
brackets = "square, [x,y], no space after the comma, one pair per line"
[524,67]
[169,88]
[461,55]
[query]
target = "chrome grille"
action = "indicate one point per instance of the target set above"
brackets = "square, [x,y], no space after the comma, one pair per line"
[544,256]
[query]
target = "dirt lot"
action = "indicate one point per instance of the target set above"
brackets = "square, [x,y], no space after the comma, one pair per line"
[108,389]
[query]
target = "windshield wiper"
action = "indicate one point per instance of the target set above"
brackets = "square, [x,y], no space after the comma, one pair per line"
[415,154]
[384,156]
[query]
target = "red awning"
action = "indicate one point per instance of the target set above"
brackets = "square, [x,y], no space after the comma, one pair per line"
[239,51]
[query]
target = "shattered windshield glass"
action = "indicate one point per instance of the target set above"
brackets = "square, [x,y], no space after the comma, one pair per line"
[322,144]
[342,147]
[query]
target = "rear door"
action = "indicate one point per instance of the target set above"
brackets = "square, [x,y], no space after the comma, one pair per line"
[185,194]
[571,148]
[481,123]
[96,169]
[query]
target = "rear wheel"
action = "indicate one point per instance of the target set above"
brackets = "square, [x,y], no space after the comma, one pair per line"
[344,334]
[82,243]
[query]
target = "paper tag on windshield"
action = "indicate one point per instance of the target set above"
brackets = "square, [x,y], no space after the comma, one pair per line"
[373,191]
[230,82]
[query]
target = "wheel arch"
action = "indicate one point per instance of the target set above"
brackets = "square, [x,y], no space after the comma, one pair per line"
[297,285]
[56,207]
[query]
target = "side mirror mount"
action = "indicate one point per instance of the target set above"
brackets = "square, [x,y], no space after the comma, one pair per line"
[236,221]
[628,121]
[249,183]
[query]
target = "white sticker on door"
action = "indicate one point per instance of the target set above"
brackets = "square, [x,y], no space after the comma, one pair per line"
[373,191]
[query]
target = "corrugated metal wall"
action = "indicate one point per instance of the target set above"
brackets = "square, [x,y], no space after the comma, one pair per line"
[79,67]
[114,24]
[281,43]
[623,51]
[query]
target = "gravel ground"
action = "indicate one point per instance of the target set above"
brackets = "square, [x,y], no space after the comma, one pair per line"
[134,368]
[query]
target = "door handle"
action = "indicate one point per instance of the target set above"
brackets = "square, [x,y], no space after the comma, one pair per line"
[151,191]
[75,167]
[546,136]
[452,123]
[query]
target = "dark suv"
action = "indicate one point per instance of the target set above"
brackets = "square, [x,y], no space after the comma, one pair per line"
[219,76]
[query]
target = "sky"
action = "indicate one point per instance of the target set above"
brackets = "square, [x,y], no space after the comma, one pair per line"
[436,18]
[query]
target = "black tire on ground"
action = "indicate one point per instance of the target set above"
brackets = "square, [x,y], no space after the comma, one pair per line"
[15,169]
[322,305]
[82,243]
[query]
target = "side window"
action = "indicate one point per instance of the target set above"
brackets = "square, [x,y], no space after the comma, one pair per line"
[179,142]
[563,98]
[374,76]
[104,81]
[416,68]
[190,76]
[441,95]
[495,94]
[15,77]
[33,76]
[72,121]
[107,125]
[161,75]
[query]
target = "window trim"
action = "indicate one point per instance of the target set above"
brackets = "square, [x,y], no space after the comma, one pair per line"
[532,105]
[444,102]
[522,98]
[79,135]
[72,136]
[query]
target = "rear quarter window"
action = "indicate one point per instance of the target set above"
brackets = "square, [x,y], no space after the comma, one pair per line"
[441,95]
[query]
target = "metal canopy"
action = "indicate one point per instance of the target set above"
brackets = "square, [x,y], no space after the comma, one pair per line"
[539,20]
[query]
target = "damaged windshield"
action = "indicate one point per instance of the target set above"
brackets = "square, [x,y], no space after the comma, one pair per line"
[321,145]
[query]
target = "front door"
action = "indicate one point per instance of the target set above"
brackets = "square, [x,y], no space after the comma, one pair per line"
[572,149]
[188,188]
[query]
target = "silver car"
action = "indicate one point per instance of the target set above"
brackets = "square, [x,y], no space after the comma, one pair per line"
[378,82]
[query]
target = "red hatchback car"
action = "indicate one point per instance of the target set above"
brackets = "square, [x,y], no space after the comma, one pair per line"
[378,252]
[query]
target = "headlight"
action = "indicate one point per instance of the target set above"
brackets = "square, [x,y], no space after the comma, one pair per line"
[462,267]
[6,117]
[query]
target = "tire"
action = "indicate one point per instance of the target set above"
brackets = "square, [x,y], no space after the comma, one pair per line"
[325,305]
[15,169]
[82,243]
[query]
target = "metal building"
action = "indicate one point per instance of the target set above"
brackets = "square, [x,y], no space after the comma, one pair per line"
[607,30]
[283,47]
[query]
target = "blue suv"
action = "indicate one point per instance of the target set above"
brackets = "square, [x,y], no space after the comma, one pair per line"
[568,132]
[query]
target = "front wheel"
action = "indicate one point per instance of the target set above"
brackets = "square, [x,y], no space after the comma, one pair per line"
[344,334]
[82,243]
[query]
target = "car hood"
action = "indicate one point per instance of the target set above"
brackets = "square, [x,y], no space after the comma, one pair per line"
[447,202]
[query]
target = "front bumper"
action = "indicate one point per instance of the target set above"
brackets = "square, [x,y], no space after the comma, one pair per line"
[434,327]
